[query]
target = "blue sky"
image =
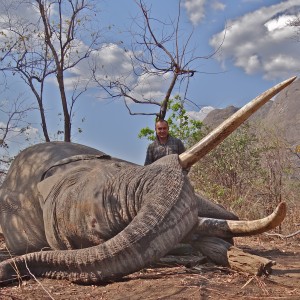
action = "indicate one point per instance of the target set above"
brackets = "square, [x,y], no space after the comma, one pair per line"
[258,52]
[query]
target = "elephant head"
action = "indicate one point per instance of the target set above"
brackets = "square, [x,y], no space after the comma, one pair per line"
[161,210]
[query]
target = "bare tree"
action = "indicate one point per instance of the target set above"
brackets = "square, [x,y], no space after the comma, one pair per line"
[49,43]
[163,53]
[13,114]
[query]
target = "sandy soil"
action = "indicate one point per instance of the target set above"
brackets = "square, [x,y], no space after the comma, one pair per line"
[206,281]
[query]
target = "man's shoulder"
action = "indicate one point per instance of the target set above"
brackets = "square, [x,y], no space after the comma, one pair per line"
[174,139]
[153,144]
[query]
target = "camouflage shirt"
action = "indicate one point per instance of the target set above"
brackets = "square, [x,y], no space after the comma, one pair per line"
[156,150]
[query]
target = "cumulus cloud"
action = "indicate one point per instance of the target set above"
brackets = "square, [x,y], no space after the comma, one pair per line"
[110,63]
[195,10]
[201,114]
[150,87]
[114,64]
[261,41]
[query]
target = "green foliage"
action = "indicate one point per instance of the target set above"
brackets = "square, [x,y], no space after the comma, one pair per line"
[180,125]
[147,133]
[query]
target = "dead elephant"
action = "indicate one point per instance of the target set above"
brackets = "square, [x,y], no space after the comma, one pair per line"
[98,218]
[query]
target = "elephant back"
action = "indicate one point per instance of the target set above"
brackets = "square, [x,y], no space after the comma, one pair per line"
[28,167]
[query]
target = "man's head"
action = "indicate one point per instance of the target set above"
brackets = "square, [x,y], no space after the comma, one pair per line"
[162,129]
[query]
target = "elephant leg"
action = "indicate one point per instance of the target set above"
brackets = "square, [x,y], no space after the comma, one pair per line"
[208,209]
[21,223]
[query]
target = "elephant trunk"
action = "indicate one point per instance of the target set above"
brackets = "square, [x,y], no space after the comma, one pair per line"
[168,212]
[192,155]
[234,228]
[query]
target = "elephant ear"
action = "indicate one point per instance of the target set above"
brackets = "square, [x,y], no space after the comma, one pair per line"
[59,180]
[45,187]
[64,171]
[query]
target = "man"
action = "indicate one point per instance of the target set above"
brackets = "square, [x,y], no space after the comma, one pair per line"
[164,144]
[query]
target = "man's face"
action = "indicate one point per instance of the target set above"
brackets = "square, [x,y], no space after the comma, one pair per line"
[162,130]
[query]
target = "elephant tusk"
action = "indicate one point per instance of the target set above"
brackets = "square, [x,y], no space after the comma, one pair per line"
[192,155]
[261,225]
[235,228]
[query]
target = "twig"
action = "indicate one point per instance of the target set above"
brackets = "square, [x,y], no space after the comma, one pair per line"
[14,266]
[38,282]
[247,282]
[281,235]
[262,285]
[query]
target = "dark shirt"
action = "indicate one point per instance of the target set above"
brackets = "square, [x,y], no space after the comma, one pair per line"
[156,150]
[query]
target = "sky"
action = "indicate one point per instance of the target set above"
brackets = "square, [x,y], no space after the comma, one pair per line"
[257,51]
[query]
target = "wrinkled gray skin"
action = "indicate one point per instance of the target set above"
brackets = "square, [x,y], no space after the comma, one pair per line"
[118,216]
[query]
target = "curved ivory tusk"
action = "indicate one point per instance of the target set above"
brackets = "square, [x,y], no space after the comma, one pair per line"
[261,225]
[233,228]
[192,155]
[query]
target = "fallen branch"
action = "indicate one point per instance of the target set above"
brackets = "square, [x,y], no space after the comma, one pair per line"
[227,255]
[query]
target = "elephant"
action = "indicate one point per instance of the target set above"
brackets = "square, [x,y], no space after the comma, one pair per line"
[69,211]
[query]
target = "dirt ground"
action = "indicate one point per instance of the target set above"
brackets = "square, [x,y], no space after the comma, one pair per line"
[206,281]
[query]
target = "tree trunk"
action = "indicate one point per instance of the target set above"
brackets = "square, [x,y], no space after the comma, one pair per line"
[67,117]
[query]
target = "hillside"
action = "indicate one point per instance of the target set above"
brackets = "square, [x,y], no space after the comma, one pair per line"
[281,115]
[284,115]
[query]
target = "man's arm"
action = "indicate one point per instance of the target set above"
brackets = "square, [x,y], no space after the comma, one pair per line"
[149,156]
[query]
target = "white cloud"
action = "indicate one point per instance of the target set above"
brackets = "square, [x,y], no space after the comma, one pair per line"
[113,61]
[114,64]
[279,23]
[195,10]
[216,5]
[150,87]
[201,114]
[261,41]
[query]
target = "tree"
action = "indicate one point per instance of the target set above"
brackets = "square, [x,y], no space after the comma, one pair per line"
[13,124]
[158,50]
[15,113]
[48,43]
[180,124]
